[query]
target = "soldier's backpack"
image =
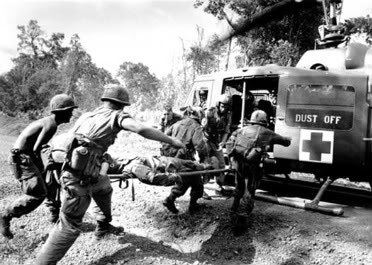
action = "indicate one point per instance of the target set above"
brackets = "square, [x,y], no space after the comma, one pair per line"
[241,145]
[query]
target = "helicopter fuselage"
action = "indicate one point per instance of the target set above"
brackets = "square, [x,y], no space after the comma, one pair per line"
[327,113]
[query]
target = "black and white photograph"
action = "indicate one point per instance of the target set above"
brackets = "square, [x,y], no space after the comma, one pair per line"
[186,132]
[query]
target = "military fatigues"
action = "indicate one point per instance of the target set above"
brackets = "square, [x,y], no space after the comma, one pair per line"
[101,126]
[53,159]
[161,171]
[190,132]
[215,127]
[32,184]
[251,170]
[164,124]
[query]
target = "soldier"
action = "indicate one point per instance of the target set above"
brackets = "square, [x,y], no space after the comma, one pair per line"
[157,170]
[169,118]
[53,159]
[203,95]
[217,129]
[81,179]
[190,132]
[27,164]
[246,148]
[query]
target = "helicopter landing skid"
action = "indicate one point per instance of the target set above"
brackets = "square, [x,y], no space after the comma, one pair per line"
[285,186]
[302,205]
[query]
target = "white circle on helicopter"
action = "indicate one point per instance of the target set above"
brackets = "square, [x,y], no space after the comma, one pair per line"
[316,146]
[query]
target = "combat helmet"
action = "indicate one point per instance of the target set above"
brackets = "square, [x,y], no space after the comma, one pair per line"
[116,93]
[259,117]
[193,112]
[62,102]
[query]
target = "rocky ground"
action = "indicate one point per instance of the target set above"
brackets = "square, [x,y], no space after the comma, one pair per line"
[276,234]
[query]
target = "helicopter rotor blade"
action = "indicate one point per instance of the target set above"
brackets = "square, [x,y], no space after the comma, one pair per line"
[267,15]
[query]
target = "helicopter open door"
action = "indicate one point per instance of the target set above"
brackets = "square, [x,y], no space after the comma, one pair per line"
[327,117]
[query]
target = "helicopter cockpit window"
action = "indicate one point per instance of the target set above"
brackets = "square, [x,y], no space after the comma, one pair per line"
[320,106]
[200,93]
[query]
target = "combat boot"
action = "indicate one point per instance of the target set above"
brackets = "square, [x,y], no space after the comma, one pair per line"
[5,226]
[169,203]
[235,205]
[194,207]
[104,228]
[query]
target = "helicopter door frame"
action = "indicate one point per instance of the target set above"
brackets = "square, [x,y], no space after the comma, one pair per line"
[337,128]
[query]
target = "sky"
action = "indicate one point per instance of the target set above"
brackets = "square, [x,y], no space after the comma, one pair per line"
[111,31]
[116,31]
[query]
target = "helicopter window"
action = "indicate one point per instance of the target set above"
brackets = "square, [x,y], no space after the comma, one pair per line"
[331,95]
[258,89]
[320,106]
[200,94]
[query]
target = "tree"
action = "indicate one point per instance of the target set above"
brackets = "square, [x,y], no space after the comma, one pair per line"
[75,63]
[35,76]
[360,27]
[202,60]
[142,85]
[44,67]
[7,103]
[81,78]
[35,45]
[298,28]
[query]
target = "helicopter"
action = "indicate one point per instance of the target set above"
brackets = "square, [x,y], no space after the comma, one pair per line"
[324,103]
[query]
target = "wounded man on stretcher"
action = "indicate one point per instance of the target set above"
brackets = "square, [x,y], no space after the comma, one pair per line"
[163,171]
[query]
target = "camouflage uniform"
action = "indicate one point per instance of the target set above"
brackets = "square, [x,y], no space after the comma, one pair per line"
[101,126]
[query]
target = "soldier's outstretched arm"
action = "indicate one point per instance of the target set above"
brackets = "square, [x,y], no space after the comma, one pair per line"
[281,140]
[148,132]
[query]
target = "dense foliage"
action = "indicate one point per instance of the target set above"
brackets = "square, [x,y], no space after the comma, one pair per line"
[279,41]
[360,27]
[45,67]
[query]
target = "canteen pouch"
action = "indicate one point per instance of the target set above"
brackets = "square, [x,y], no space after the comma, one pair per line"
[14,162]
[253,155]
[79,158]
[93,165]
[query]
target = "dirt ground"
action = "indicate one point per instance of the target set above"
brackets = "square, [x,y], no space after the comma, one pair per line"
[275,235]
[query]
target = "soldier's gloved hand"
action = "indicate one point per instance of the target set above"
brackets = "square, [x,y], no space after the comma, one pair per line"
[177,143]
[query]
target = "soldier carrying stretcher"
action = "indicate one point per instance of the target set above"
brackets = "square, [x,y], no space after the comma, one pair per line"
[27,165]
[81,178]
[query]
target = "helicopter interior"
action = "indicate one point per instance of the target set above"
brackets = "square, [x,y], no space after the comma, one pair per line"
[260,93]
